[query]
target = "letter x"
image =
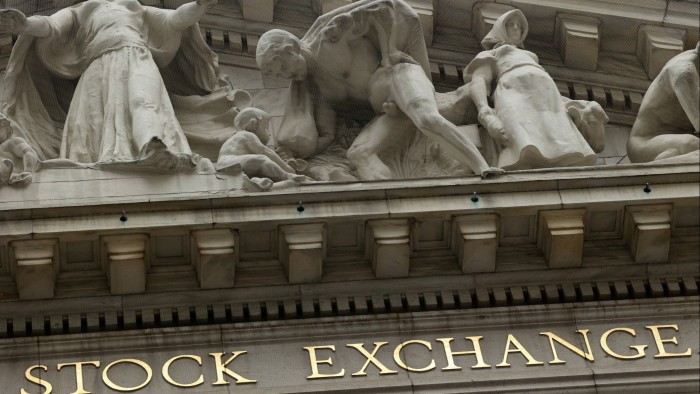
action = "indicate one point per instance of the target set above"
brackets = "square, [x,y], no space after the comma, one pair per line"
[383,370]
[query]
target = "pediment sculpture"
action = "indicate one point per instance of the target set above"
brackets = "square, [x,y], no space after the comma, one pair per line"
[669,114]
[371,54]
[115,84]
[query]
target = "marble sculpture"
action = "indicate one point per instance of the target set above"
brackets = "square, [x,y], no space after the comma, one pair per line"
[368,53]
[118,85]
[532,124]
[669,114]
[246,151]
[14,151]
[113,82]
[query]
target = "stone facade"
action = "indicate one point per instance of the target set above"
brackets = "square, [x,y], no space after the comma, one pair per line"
[267,291]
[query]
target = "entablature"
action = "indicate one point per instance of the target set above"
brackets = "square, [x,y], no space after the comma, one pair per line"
[163,236]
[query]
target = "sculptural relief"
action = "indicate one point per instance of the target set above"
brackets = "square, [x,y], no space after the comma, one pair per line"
[246,152]
[114,82]
[532,124]
[367,55]
[18,160]
[669,114]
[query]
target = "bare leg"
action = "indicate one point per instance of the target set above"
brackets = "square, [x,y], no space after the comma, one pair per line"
[414,94]
[374,138]
[661,147]
[262,166]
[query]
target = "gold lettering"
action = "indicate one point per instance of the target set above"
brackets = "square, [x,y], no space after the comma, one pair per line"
[114,386]
[606,347]
[588,355]
[449,354]
[518,349]
[39,381]
[79,374]
[660,342]
[221,369]
[315,361]
[166,371]
[383,370]
[400,363]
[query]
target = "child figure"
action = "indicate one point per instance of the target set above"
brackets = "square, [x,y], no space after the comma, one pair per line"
[15,148]
[246,151]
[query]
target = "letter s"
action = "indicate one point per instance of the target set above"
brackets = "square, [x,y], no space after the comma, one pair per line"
[39,381]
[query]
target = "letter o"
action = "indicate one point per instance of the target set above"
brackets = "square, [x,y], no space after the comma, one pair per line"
[114,386]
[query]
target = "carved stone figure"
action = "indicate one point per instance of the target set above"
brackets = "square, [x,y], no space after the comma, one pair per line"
[669,113]
[367,55]
[530,121]
[13,151]
[112,81]
[246,152]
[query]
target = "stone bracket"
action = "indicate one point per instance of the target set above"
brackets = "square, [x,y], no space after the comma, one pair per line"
[388,247]
[560,237]
[578,39]
[484,15]
[475,242]
[656,45]
[214,256]
[35,267]
[258,10]
[323,6]
[426,13]
[302,248]
[647,232]
[125,259]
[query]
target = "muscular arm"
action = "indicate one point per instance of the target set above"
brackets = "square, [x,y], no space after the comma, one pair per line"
[188,14]
[686,85]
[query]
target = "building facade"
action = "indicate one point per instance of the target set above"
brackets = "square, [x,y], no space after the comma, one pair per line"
[581,279]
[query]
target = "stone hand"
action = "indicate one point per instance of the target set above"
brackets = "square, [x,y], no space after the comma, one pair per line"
[207,3]
[12,21]
[494,126]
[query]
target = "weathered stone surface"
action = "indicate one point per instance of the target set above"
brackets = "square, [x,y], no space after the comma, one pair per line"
[388,247]
[648,232]
[214,256]
[302,249]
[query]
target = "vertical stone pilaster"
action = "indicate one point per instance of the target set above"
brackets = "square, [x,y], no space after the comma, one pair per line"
[560,237]
[388,247]
[34,267]
[475,241]
[214,256]
[647,231]
[578,39]
[656,45]
[302,249]
[125,262]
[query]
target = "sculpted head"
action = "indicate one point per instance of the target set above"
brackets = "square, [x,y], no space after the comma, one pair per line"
[510,28]
[279,55]
[254,120]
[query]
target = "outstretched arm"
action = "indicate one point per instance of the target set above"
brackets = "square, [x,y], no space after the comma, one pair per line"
[15,22]
[188,14]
